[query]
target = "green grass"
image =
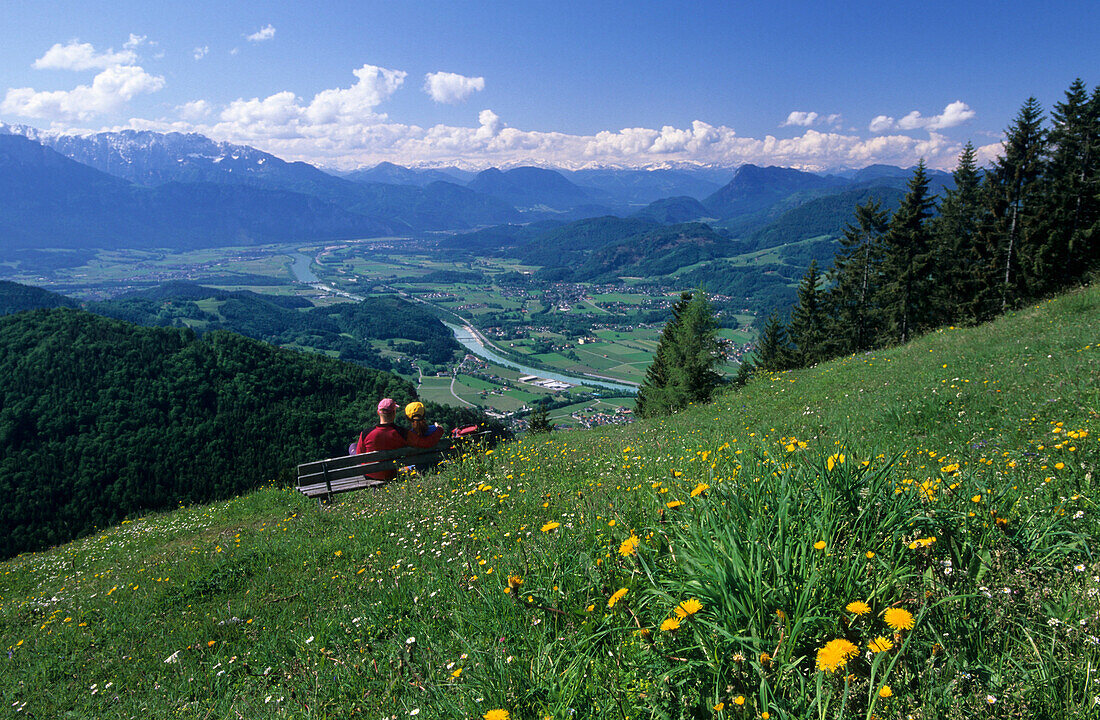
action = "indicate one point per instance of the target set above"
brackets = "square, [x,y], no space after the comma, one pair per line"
[398,600]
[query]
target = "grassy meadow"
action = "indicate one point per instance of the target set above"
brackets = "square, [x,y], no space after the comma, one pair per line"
[906,533]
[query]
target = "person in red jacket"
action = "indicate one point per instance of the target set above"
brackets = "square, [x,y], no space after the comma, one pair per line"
[387,436]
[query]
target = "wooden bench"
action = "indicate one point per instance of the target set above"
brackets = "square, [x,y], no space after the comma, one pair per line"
[322,479]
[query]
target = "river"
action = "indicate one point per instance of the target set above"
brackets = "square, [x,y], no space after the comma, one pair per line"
[301,267]
[469,340]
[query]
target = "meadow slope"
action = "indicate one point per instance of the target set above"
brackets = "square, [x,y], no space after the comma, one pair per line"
[906,533]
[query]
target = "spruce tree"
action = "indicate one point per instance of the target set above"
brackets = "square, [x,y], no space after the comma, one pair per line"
[538,422]
[1072,201]
[957,264]
[774,352]
[652,400]
[1014,194]
[808,320]
[683,370]
[907,261]
[853,319]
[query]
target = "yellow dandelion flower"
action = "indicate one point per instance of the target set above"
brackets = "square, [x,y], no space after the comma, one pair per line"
[880,644]
[550,526]
[739,700]
[885,691]
[616,597]
[858,607]
[629,546]
[497,714]
[898,619]
[835,654]
[700,489]
[819,545]
[976,498]
[869,555]
[669,624]
[514,581]
[688,607]
[765,658]
[674,504]
[720,707]
[765,715]
[834,460]
[456,673]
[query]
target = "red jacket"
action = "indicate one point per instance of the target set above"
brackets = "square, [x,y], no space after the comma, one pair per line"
[391,437]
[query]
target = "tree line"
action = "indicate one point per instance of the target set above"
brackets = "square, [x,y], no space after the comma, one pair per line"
[1025,227]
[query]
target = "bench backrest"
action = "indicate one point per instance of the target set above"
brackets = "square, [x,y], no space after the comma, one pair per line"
[342,474]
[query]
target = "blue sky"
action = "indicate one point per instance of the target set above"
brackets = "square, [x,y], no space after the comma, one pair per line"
[347,84]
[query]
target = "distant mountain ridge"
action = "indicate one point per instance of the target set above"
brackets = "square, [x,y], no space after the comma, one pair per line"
[186,190]
[48,200]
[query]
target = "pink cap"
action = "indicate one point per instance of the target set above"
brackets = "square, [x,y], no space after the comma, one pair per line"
[387,405]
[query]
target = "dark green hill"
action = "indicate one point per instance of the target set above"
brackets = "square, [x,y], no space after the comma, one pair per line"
[571,244]
[656,252]
[673,210]
[100,419]
[531,187]
[345,329]
[754,189]
[17,298]
[822,216]
[491,239]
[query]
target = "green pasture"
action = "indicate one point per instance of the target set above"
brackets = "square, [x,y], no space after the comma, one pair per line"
[905,533]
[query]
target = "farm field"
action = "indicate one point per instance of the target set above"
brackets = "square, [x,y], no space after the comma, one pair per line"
[514,317]
[905,532]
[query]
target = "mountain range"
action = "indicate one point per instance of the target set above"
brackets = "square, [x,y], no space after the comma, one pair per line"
[146,189]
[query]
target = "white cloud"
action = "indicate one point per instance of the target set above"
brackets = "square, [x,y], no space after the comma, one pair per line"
[195,110]
[344,128]
[447,87]
[799,118]
[82,56]
[881,123]
[953,115]
[374,86]
[200,52]
[110,90]
[265,33]
[803,119]
[136,41]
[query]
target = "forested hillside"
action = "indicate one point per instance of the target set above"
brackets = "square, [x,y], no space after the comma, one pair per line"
[100,419]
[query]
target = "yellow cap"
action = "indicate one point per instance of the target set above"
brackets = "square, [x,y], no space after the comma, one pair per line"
[413,409]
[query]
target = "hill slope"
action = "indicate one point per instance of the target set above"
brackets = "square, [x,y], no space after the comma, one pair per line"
[100,419]
[715,559]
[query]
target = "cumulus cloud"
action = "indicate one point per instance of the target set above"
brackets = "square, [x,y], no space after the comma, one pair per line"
[195,110]
[200,52]
[953,115]
[82,56]
[110,90]
[118,81]
[803,119]
[344,128]
[447,87]
[800,118]
[265,33]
